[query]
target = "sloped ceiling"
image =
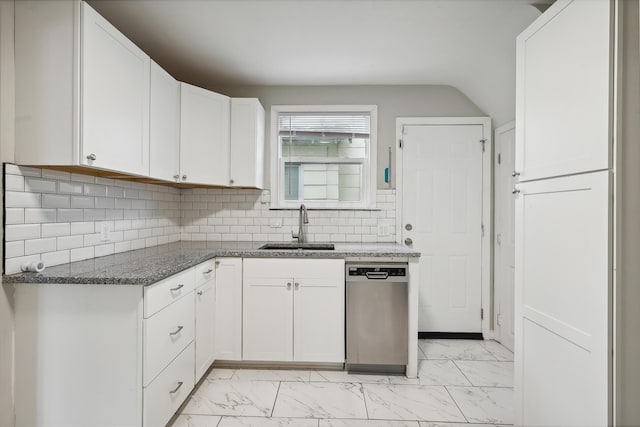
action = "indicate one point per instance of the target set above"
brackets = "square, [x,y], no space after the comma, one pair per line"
[468,44]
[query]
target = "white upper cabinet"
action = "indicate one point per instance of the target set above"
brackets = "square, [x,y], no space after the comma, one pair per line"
[115,98]
[204,136]
[247,143]
[563,92]
[164,129]
[82,90]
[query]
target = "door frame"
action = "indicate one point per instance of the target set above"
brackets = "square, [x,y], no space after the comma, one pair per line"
[486,302]
[498,286]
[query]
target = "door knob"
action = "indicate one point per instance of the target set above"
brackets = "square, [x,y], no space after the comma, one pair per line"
[515,173]
[184,177]
[408,227]
[515,191]
[231,181]
[91,156]
[408,241]
[176,177]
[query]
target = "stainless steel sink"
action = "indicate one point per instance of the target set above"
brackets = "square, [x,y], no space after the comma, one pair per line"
[295,246]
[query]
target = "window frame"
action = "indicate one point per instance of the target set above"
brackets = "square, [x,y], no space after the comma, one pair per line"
[369,184]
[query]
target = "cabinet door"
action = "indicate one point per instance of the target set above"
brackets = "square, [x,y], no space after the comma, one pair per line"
[228,311]
[205,327]
[268,311]
[115,98]
[204,136]
[563,91]
[247,143]
[318,321]
[164,129]
[562,300]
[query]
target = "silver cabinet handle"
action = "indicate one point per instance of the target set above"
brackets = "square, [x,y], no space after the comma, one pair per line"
[297,285]
[199,293]
[208,271]
[408,241]
[177,331]
[515,173]
[231,181]
[175,390]
[217,263]
[91,156]
[184,177]
[176,177]
[515,191]
[289,285]
[177,288]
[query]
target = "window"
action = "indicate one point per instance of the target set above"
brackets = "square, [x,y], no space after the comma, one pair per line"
[323,156]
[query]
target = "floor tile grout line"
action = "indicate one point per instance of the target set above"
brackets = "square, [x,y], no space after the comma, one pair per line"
[456,403]
[364,399]
[463,374]
[276,399]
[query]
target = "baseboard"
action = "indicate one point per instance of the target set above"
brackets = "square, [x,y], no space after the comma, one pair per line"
[451,335]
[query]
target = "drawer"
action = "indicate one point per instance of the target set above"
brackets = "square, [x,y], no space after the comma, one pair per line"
[163,397]
[161,294]
[205,271]
[166,334]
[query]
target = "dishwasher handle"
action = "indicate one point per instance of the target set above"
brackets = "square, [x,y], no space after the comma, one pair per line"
[377,275]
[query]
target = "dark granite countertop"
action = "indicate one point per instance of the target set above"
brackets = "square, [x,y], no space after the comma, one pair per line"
[147,266]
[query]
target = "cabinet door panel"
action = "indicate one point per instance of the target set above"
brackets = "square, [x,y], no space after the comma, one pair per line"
[563,91]
[562,299]
[204,136]
[247,143]
[228,312]
[205,327]
[164,133]
[115,98]
[268,317]
[319,313]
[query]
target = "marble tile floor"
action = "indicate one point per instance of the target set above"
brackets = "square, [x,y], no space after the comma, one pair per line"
[461,383]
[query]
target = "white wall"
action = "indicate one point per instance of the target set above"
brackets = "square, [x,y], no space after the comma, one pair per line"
[6,154]
[392,102]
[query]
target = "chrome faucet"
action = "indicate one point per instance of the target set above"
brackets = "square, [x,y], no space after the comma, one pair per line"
[303,218]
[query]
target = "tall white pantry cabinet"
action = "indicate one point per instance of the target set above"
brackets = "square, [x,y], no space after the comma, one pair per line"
[570,118]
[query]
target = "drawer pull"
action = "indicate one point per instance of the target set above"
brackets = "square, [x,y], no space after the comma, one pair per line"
[208,271]
[177,288]
[175,390]
[199,292]
[177,331]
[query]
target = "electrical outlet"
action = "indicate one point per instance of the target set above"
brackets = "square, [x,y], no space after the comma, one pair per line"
[104,232]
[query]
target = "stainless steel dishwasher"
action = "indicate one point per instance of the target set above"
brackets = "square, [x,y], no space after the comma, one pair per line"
[377,317]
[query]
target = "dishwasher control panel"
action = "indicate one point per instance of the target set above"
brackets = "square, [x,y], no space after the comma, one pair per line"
[391,271]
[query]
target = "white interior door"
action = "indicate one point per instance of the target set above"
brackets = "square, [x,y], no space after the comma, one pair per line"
[442,193]
[504,243]
[562,301]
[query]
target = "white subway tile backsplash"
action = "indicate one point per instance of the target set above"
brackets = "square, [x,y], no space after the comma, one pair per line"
[21,232]
[82,228]
[35,185]
[70,215]
[38,215]
[14,216]
[38,246]
[57,175]
[14,182]
[95,190]
[56,229]
[55,201]
[69,187]
[14,199]
[83,178]
[70,242]
[102,250]
[82,202]
[14,249]
[82,253]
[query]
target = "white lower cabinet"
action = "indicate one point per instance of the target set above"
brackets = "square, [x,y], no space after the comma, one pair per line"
[293,310]
[167,392]
[228,309]
[107,355]
[205,327]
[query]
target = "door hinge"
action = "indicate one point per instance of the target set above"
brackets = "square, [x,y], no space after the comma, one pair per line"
[483,141]
[482,229]
[482,314]
[400,143]
[499,158]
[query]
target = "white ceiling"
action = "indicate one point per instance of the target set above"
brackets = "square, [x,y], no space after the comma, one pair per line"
[468,44]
